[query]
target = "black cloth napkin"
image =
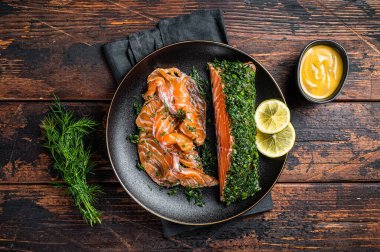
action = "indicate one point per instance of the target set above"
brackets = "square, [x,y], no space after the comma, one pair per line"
[123,54]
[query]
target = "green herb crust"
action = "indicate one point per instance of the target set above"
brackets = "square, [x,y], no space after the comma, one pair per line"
[64,137]
[239,88]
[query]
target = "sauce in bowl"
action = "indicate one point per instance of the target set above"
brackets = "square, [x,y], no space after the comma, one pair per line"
[321,71]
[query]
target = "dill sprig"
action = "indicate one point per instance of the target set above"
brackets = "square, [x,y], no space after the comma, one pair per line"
[64,137]
[137,105]
[203,84]
[207,158]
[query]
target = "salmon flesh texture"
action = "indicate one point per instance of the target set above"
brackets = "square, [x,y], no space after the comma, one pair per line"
[222,125]
[172,122]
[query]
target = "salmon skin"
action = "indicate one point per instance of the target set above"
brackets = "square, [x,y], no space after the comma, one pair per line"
[172,122]
[233,95]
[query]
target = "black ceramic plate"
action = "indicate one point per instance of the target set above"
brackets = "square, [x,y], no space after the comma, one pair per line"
[123,154]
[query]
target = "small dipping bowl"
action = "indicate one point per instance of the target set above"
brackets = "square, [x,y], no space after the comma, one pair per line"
[345,61]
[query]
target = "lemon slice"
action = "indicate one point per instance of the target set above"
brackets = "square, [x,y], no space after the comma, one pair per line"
[272,116]
[278,144]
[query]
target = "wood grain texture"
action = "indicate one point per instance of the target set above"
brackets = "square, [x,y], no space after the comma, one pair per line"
[328,195]
[55,47]
[306,216]
[335,142]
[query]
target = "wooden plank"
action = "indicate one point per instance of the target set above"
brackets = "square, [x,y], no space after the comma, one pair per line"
[305,216]
[335,142]
[55,47]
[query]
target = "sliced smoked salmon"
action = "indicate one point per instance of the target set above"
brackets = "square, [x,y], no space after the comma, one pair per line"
[172,122]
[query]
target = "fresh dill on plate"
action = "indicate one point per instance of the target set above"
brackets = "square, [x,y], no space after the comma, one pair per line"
[203,84]
[137,105]
[173,191]
[195,195]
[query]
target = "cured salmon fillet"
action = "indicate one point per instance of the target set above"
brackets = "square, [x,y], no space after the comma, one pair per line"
[172,122]
[222,126]
[225,139]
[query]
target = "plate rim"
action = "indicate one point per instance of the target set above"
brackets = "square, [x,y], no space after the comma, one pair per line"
[107,133]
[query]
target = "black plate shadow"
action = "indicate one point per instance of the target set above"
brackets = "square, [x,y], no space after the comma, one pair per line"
[123,154]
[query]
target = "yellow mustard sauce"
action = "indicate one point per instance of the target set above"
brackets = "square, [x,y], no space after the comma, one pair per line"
[321,71]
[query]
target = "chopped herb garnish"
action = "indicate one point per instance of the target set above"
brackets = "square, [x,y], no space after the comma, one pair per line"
[137,104]
[162,133]
[157,173]
[140,166]
[173,191]
[181,115]
[149,154]
[156,141]
[207,158]
[192,129]
[133,138]
[242,178]
[195,195]
[203,85]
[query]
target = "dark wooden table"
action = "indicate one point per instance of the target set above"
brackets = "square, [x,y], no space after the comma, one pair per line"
[328,197]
